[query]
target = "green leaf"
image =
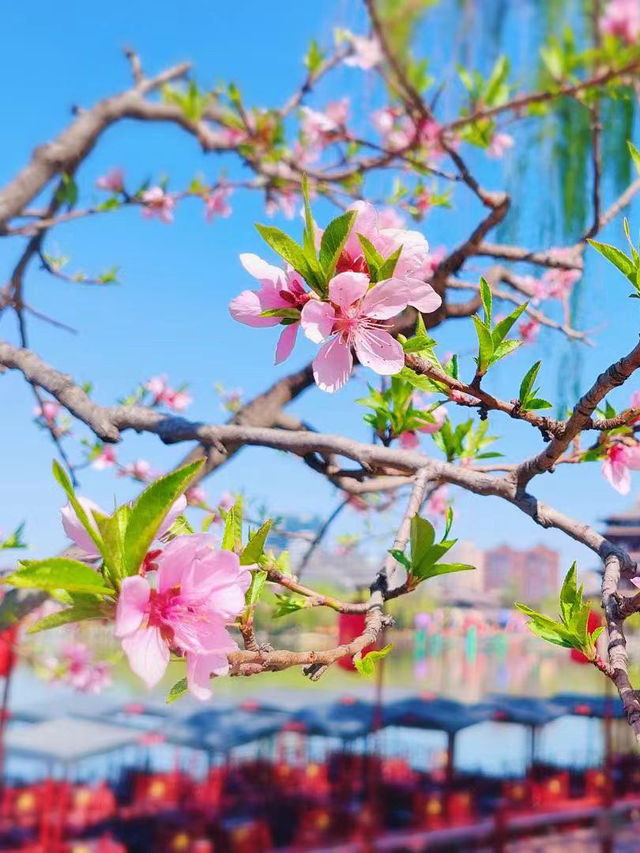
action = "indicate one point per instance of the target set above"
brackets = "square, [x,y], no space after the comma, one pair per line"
[332,243]
[292,253]
[255,589]
[254,548]
[288,603]
[401,558]
[372,256]
[58,573]
[485,343]
[61,476]
[527,383]
[112,529]
[505,348]
[437,569]
[149,511]
[79,613]
[538,403]
[367,665]
[388,267]
[487,300]
[178,690]
[421,538]
[568,594]
[503,328]
[282,313]
[232,536]
[616,257]
[635,155]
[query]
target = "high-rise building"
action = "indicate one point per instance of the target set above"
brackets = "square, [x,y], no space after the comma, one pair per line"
[529,574]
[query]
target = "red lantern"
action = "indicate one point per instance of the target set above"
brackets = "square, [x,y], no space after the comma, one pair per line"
[8,650]
[594,621]
[350,626]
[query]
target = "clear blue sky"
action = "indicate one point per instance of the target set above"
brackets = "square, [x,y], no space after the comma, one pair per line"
[170,312]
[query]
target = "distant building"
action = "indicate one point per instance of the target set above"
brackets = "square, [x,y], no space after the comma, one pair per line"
[624,530]
[461,586]
[530,574]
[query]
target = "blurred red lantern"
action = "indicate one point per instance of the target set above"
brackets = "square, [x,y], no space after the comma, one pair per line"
[8,639]
[594,621]
[350,626]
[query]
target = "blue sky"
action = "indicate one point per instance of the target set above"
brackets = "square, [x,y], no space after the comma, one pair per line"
[170,312]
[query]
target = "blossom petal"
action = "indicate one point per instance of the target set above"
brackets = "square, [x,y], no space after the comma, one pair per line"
[200,668]
[317,319]
[333,365]
[246,308]
[365,223]
[376,349]
[217,578]
[264,272]
[386,299]
[618,475]
[347,288]
[286,342]
[176,509]
[132,605]
[422,296]
[75,529]
[147,653]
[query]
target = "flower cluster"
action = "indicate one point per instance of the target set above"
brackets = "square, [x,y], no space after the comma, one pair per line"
[622,19]
[163,394]
[76,667]
[349,317]
[180,602]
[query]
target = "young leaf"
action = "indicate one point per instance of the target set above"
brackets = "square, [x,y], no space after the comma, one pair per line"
[367,665]
[526,385]
[421,537]
[292,253]
[332,243]
[616,257]
[78,613]
[58,573]
[254,548]
[148,512]
[503,328]
[487,300]
[485,343]
[232,536]
[178,690]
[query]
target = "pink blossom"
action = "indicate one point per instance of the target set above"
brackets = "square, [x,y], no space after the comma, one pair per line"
[106,458]
[140,470]
[227,500]
[49,410]
[113,181]
[162,392]
[319,128]
[76,532]
[558,283]
[413,263]
[423,201]
[635,400]
[81,672]
[217,203]
[279,289]
[408,440]
[439,416]
[500,143]
[529,331]
[199,590]
[283,201]
[622,19]
[437,504]
[351,321]
[366,53]
[616,467]
[196,496]
[390,218]
[158,203]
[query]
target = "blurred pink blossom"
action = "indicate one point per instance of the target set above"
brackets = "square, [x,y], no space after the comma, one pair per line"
[158,203]
[113,181]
